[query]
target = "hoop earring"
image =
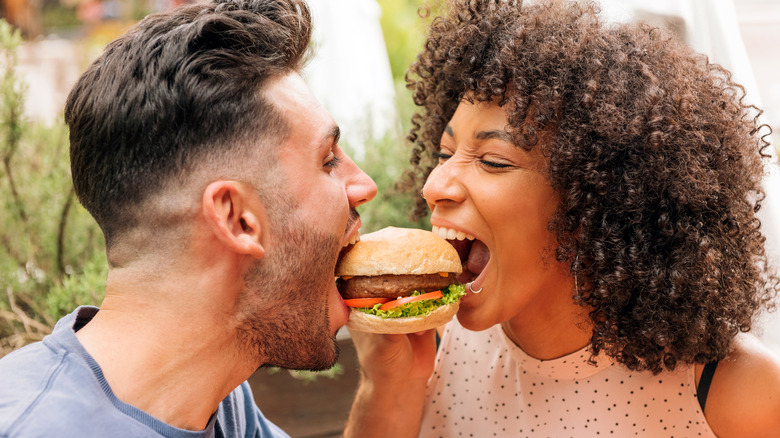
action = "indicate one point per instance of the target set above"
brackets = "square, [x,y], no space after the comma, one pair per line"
[422,194]
[468,286]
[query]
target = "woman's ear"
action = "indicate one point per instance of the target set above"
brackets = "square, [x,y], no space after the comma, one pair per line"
[234,213]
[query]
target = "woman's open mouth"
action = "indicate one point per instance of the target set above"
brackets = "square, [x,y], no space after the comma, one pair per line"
[474,255]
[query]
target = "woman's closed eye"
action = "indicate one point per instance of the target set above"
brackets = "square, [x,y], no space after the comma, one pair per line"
[441,156]
[494,164]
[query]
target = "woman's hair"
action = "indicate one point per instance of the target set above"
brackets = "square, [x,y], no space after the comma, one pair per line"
[652,149]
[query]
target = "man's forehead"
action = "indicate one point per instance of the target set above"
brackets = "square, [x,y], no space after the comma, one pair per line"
[290,94]
[309,123]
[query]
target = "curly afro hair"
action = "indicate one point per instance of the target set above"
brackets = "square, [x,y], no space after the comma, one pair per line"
[656,157]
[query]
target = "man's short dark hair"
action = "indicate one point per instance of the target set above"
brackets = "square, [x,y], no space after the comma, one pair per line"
[180,88]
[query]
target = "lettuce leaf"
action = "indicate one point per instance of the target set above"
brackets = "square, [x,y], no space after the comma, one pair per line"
[419,308]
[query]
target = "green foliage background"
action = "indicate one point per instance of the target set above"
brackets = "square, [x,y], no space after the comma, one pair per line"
[52,252]
[387,158]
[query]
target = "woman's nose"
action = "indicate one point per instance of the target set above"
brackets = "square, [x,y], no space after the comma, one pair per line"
[443,185]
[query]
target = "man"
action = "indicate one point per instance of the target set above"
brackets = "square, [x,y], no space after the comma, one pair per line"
[224,199]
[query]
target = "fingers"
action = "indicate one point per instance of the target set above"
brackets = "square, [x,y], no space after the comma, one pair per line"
[396,358]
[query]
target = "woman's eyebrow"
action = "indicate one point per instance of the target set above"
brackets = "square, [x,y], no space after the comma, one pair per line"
[499,134]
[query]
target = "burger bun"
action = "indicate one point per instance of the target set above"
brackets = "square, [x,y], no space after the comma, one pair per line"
[399,251]
[363,322]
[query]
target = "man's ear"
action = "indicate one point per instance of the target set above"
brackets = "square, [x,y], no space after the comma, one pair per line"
[234,212]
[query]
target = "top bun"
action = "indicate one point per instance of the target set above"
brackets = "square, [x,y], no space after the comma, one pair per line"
[399,251]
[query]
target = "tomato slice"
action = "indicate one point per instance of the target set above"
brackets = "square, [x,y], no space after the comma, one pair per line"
[406,300]
[365,302]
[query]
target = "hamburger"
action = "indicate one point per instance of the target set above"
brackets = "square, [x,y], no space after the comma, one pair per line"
[399,280]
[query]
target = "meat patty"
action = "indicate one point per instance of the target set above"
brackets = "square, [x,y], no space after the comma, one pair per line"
[392,286]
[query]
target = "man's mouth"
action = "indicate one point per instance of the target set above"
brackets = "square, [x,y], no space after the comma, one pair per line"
[353,240]
[352,233]
[474,255]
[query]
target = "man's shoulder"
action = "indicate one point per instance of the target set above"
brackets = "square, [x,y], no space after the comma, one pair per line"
[27,379]
[28,370]
[52,392]
[46,385]
[33,368]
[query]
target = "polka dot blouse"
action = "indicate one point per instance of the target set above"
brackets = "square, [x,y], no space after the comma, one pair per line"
[485,386]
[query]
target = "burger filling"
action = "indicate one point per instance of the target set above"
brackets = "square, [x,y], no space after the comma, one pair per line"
[422,307]
[392,286]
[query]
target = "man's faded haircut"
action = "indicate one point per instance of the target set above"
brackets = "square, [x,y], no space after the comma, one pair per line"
[180,88]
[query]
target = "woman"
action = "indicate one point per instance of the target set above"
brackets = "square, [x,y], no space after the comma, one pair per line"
[609,177]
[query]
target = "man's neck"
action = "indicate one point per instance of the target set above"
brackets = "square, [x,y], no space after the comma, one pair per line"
[165,352]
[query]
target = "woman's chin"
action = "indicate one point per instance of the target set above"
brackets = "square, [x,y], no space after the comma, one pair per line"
[471,319]
[473,305]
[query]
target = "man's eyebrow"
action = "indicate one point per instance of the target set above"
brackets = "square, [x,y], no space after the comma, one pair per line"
[448,130]
[330,140]
[499,134]
[334,134]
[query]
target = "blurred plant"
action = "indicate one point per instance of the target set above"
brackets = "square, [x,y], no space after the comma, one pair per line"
[385,161]
[403,31]
[47,240]
[58,17]
[310,376]
[404,24]
[387,158]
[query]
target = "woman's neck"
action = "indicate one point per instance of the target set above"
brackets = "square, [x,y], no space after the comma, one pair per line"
[551,331]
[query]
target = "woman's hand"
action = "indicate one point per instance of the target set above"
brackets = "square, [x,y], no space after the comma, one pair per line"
[395,370]
[396,359]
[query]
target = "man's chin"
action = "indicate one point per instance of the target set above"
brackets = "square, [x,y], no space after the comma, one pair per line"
[318,355]
[327,364]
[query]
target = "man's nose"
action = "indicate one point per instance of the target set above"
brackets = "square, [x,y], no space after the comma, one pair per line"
[359,186]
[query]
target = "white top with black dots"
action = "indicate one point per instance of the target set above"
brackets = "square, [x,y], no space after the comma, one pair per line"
[484,385]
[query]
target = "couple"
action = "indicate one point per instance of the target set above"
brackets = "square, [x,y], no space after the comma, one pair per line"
[608,176]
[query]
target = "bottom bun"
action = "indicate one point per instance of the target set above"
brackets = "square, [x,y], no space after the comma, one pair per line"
[363,322]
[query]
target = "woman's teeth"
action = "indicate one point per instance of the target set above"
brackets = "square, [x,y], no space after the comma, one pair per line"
[450,234]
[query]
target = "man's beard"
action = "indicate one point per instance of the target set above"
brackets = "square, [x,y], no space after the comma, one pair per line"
[286,319]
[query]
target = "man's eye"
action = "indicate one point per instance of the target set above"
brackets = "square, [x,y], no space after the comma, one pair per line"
[333,162]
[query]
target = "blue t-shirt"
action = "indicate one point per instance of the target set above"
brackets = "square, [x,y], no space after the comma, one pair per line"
[55,388]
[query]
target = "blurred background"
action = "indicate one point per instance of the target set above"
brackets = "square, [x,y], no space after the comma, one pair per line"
[51,252]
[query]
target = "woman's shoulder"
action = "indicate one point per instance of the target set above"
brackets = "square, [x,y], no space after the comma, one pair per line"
[744,398]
